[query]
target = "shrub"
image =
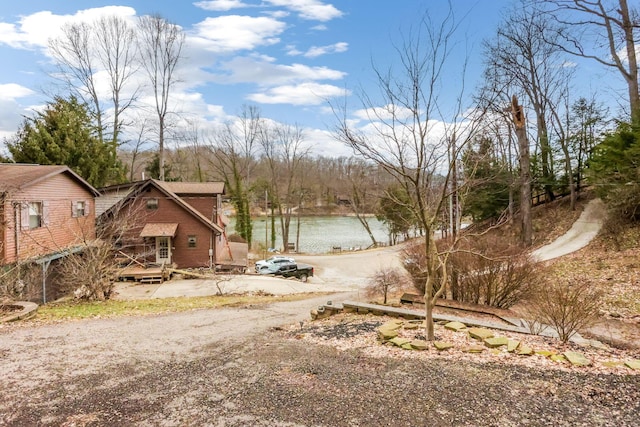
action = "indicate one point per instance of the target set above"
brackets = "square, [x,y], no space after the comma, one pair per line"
[493,273]
[565,307]
[385,281]
[481,271]
[88,274]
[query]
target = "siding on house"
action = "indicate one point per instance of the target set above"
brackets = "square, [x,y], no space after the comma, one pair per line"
[170,211]
[60,229]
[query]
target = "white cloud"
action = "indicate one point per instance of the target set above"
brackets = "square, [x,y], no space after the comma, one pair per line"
[316,51]
[383,113]
[313,10]
[220,5]
[234,32]
[302,94]
[11,91]
[263,71]
[35,30]
[325,144]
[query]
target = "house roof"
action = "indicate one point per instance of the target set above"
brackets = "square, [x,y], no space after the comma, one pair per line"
[183,188]
[143,185]
[159,230]
[18,176]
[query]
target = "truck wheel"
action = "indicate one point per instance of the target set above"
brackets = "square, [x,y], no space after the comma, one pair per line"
[303,277]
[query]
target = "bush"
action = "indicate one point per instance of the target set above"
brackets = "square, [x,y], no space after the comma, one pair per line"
[88,274]
[483,271]
[493,273]
[566,308]
[385,281]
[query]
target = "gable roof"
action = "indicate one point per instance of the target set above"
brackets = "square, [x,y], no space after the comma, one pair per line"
[159,185]
[184,188]
[18,176]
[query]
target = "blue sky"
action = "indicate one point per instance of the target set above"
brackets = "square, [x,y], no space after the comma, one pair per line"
[288,57]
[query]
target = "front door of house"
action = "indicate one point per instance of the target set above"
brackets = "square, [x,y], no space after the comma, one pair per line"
[163,250]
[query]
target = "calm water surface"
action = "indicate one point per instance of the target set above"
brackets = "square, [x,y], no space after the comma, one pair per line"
[319,234]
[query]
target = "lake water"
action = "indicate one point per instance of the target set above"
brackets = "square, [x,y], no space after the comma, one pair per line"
[319,234]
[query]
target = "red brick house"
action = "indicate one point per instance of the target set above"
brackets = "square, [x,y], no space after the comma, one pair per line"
[44,210]
[172,223]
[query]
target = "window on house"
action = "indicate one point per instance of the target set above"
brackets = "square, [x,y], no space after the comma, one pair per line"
[80,209]
[191,241]
[35,215]
[152,204]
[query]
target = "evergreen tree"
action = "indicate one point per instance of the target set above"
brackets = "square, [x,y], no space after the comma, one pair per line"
[489,178]
[63,134]
[614,169]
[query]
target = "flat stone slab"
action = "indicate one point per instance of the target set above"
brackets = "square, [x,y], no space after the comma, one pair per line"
[474,349]
[386,334]
[455,326]
[576,359]
[392,325]
[419,345]
[496,342]
[480,333]
[442,345]
[524,350]
[512,345]
[400,342]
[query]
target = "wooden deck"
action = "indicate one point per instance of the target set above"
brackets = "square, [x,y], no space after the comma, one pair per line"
[146,275]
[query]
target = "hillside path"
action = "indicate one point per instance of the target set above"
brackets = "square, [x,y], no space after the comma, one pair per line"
[581,233]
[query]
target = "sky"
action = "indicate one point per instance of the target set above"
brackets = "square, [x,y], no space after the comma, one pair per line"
[290,58]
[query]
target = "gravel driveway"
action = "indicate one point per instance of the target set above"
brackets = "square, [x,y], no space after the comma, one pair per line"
[247,367]
[236,367]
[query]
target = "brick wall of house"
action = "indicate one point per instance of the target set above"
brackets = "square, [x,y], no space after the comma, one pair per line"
[169,211]
[60,229]
[203,204]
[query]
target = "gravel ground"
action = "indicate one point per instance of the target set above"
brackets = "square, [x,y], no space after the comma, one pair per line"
[207,367]
[259,366]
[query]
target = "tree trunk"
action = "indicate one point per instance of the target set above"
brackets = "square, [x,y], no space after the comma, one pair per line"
[525,172]
[632,75]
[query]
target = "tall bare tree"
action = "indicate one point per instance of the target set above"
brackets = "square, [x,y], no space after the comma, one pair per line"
[405,135]
[605,31]
[160,46]
[525,174]
[284,149]
[83,52]
[234,149]
[522,57]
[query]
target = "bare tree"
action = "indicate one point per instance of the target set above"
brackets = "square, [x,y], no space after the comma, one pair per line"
[234,149]
[284,148]
[360,193]
[524,58]
[525,174]
[406,137]
[82,52]
[604,31]
[160,47]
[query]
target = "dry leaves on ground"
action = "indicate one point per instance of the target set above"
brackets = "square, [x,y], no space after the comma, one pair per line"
[347,331]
